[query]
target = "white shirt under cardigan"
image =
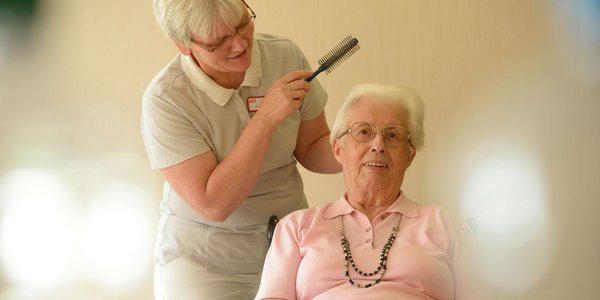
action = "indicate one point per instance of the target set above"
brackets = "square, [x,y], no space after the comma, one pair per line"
[185,114]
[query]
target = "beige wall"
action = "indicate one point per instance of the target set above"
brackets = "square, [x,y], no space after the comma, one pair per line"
[511,90]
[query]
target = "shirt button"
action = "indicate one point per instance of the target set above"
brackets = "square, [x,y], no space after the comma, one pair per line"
[368,229]
[368,241]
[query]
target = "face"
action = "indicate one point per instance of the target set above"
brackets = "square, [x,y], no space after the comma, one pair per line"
[232,53]
[374,166]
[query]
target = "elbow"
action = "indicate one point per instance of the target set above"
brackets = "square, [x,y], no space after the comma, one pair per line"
[217,217]
[212,214]
[322,167]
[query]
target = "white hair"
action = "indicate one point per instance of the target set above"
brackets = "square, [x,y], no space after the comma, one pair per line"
[400,95]
[178,19]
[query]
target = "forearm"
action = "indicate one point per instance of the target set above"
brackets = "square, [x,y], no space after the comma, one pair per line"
[233,179]
[319,157]
[313,150]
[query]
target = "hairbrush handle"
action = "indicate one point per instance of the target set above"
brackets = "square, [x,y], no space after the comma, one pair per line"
[333,58]
[315,73]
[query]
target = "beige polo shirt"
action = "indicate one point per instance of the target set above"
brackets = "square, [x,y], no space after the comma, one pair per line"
[185,114]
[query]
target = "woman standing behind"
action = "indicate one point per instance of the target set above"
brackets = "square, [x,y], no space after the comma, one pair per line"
[374,242]
[225,122]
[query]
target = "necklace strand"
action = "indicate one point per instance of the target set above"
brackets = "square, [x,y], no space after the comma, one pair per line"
[381,268]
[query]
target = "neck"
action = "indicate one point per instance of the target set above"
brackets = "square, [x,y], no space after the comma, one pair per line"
[228,80]
[371,204]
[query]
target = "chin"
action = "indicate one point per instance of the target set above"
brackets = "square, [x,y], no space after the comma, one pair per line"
[240,64]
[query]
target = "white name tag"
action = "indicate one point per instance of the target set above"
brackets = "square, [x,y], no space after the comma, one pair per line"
[253,103]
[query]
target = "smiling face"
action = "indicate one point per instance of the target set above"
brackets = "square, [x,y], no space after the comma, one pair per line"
[232,53]
[374,170]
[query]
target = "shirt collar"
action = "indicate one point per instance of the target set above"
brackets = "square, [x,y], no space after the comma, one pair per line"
[254,73]
[215,92]
[402,205]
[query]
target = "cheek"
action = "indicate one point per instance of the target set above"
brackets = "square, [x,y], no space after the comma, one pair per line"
[404,159]
[355,157]
[351,163]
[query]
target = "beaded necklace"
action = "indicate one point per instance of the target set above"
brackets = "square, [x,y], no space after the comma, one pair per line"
[381,268]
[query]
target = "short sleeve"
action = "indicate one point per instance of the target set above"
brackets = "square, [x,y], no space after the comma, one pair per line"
[169,136]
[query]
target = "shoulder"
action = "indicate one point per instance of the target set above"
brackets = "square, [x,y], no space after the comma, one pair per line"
[166,79]
[428,215]
[304,214]
[274,43]
[267,38]
[305,218]
[440,223]
[170,91]
[438,213]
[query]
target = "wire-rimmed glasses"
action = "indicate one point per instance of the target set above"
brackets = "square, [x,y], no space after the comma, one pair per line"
[394,135]
[242,29]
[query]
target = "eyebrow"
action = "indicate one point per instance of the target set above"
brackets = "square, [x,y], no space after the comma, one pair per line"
[245,20]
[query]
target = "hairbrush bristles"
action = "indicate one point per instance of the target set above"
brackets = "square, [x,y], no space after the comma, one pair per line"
[336,56]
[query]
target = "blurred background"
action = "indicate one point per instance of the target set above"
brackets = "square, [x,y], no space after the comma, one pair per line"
[512,91]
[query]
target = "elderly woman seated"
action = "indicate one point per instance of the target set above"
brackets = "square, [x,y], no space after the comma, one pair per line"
[374,242]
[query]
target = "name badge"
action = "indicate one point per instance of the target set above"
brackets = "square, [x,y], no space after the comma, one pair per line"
[253,103]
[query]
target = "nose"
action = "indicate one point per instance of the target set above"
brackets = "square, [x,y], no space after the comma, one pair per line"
[378,144]
[238,41]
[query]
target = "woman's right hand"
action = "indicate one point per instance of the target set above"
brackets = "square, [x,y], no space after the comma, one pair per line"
[284,96]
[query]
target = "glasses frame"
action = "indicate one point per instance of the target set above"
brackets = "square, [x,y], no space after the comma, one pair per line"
[378,131]
[220,43]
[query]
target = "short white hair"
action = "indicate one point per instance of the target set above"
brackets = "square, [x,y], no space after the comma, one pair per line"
[179,19]
[396,94]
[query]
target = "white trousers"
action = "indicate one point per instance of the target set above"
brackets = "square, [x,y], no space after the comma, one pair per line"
[182,279]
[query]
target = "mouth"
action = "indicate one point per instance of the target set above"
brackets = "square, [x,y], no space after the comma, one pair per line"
[239,55]
[376,165]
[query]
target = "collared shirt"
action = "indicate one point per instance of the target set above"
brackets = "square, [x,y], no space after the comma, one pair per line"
[430,258]
[185,114]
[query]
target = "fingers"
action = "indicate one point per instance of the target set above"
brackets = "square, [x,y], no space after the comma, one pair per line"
[284,96]
[298,94]
[294,85]
[299,84]
[295,76]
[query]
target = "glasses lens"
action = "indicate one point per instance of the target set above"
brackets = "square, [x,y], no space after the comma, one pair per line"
[396,135]
[363,132]
[242,29]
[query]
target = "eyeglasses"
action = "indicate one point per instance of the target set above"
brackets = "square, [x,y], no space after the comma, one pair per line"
[365,132]
[242,29]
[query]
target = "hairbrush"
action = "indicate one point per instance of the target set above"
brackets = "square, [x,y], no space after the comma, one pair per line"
[336,56]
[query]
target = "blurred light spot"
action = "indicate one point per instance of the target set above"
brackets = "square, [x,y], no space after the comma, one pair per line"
[576,26]
[17,294]
[118,236]
[21,11]
[37,229]
[70,293]
[505,196]
[583,15]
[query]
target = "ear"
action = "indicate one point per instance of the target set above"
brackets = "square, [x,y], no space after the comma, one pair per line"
[183,49]
[412,154]
[337,150]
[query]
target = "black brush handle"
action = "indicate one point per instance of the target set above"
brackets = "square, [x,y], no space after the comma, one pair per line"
[315,73]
